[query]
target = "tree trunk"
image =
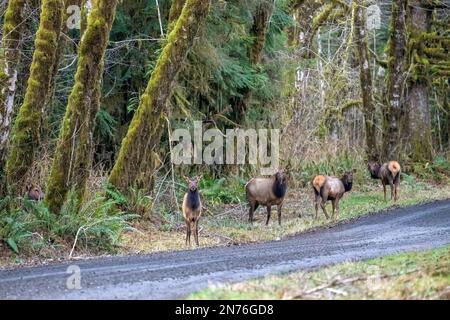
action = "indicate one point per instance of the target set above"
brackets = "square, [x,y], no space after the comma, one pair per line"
[10,57]
[73,156]
[396,81]
[174,13]
[139,147]
[418,144]
[25,134]
[365,77]
[259,29]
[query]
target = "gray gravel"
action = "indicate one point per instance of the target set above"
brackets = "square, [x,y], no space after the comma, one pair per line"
[175,274]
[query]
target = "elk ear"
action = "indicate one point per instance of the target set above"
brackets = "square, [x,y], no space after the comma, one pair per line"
[187,179]
[28,187]
[199,177]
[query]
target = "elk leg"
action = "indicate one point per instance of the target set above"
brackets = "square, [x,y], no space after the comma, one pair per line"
[188,232]
[336,205]
[333,205]
[196,232]
[316,206]
[396,192]
[279,213]
[250,212]
[268,214]
[323,206]
[384,189]
[392,190]
[253,207]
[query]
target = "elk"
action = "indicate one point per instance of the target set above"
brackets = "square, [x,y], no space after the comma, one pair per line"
[388,173]
[34,192]
[267,192]
[192,208]
[332,189]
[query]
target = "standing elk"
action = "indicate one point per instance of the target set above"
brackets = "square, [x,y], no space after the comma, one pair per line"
[34,192]
[332,189]
[192,208]
[267,192]
[388,173]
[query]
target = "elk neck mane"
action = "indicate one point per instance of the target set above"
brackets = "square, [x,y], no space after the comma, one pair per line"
[279,188]
[193,199]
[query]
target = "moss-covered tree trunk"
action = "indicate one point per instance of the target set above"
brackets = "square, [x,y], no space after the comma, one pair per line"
[174,13]
[396,81]
[73,156]
[418,138]
[9,59]
[258,32]
[365,77]
[25,138]
[138,151]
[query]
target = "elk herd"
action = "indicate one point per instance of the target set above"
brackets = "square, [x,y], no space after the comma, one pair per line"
[271,191]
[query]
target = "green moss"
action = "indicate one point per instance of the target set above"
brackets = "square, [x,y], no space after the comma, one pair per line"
[138,149]
[72,160]
[174,13]
[25,134]
[9,60]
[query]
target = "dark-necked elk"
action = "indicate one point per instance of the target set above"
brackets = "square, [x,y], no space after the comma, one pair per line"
[388,173]
[34,192]
[192,208]
[267,192]
[332,189]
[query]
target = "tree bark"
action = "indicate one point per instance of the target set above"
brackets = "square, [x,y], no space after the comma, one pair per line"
[73,156]
[365,77]
[418,144]
[396,81]
[10,57]
[25,134]
[139,147]
[174,13]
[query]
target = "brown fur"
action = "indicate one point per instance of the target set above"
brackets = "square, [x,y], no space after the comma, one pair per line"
[332,189]
[192,209]
[263,191]
[389,174]
[318,182]
[34,192]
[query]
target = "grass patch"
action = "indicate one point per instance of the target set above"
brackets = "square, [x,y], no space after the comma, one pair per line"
[419,275]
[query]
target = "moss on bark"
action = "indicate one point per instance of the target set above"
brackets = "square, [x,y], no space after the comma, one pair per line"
[174,13]
[397,66]
[258,32]
[138,152]
[25,138]
[365,76]
[73,156]
[9,60]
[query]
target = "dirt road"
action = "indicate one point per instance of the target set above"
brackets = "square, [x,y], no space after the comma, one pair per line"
[175,274]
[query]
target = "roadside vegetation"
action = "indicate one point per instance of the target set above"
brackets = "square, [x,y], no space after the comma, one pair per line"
[418,275]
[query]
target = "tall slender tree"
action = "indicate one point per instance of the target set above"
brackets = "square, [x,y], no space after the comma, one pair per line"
[138,151]
[73,156]
[25,134]
[396,81]
[365,76]
[261,20]
[9,59]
